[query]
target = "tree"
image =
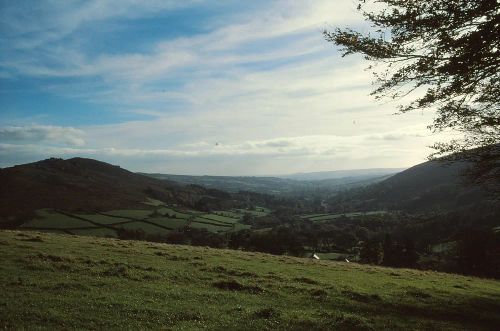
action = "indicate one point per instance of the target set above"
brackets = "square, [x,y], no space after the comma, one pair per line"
[445,54]
[479,252]
[389,251]
[371,252]
[399,255]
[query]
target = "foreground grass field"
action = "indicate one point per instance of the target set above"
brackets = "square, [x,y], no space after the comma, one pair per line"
[57,281]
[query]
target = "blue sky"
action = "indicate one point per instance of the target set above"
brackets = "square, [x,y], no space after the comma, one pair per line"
[194,87]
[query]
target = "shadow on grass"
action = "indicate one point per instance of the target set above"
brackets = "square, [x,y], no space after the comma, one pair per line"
[472,312]
[233,285]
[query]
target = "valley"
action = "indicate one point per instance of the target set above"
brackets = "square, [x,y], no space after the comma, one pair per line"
[416,218]
[82,233]
[250,165]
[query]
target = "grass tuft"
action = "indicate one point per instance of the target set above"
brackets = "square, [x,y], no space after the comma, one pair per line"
[361,297]
[352,322]
[417,293]
[306,280]
[234,285]
[267,313]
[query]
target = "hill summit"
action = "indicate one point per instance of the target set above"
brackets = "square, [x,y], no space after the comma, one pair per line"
[74,184]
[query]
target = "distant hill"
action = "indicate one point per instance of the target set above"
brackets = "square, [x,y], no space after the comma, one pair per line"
[232,183]
[74,184]
[80,184]
[87,185]
[273,185]
[337,174]
[429,186]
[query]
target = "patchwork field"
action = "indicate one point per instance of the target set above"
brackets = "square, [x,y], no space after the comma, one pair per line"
[158,219]
[52,281]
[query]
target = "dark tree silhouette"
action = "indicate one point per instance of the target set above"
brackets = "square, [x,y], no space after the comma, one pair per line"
[479,252]
[445,53]
[371,252]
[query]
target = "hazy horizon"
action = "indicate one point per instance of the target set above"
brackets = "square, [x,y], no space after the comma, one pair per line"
[280,175]
[195,87]
[284,175]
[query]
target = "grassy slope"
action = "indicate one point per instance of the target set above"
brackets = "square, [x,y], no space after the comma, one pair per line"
[62,281]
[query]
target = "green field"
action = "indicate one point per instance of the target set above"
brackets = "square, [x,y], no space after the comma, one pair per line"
[171,212]
[146,227]
[130,213]
[154,202]
[328,217]
[103,219]
[156,221]
[219,218]
[52,281]
[313,215]
[230,214]
[173,223]
[202,223]
[234,215]
[53,220]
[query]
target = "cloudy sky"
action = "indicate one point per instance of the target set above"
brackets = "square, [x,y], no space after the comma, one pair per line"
[194,87]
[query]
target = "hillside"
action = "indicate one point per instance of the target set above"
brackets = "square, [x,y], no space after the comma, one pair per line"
[427,187]
[89,197]
[71,282]
[73,184]
[87,185]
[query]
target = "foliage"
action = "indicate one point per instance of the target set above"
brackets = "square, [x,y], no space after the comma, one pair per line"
[479,252]
[371,252]
[446,54]
[397,254]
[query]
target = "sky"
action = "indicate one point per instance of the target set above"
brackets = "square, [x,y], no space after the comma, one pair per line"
[195,87]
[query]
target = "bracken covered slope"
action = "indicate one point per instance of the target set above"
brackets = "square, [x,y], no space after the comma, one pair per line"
[429,186]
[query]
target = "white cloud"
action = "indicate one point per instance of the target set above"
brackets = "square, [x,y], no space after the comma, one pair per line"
[260,93]
[254,157]
[217,48]
[43,133]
